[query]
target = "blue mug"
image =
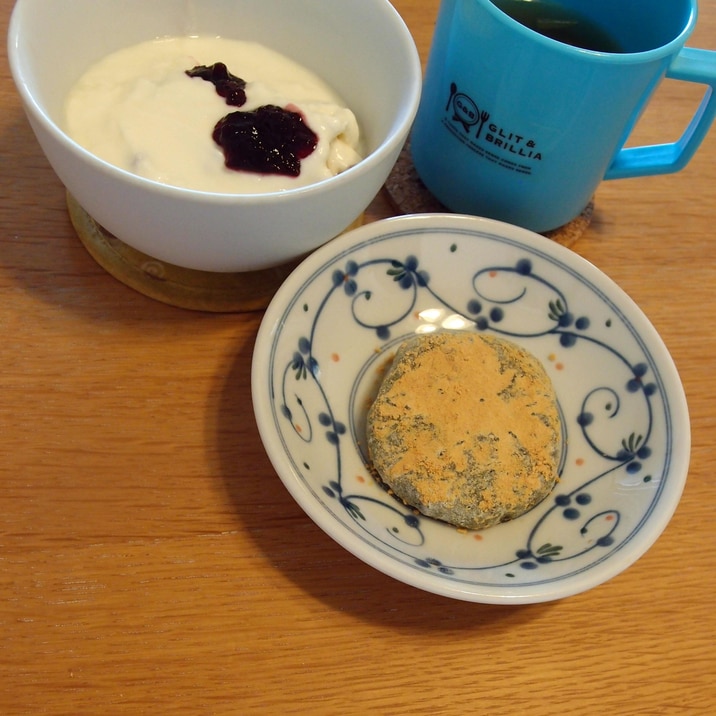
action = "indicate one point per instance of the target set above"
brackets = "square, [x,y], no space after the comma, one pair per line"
[519,126]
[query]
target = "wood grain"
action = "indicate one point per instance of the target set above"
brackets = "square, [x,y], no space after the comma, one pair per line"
[151,561]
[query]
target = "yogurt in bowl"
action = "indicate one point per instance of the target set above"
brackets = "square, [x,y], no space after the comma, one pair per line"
[146,109]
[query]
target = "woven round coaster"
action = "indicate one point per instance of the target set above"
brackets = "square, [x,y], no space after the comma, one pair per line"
[410,196]
[181,287]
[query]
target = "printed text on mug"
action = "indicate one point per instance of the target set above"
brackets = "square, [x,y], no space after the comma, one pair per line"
[472,126]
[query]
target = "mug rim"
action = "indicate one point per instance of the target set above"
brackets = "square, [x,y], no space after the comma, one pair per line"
[641,56]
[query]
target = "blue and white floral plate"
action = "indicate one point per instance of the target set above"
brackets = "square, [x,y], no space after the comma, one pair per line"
[331,328]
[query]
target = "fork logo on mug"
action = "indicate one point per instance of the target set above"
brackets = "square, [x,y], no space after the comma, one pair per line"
[469,124]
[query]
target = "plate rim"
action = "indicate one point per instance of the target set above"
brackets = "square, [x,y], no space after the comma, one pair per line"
[353,240]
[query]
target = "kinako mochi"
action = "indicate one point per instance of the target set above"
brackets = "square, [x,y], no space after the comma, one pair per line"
[466,428]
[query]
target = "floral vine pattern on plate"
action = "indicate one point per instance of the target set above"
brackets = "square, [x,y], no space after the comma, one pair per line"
[624,400]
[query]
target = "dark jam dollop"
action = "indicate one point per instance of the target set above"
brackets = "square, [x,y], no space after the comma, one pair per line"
[267,140]
[228,86]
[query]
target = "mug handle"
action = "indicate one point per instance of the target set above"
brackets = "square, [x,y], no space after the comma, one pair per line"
[690,65]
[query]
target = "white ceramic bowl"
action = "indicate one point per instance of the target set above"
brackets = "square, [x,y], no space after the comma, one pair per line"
[362,49]
[319,357]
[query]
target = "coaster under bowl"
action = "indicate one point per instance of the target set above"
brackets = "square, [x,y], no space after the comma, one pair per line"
[210,291]
[409,195]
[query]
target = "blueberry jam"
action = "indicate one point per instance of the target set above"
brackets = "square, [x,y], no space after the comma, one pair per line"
[267,140]
[228,86]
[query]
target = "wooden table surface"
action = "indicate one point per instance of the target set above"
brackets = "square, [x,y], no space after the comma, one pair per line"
[152,562]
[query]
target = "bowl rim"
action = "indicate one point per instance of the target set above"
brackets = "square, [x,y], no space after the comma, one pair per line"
[390,144]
